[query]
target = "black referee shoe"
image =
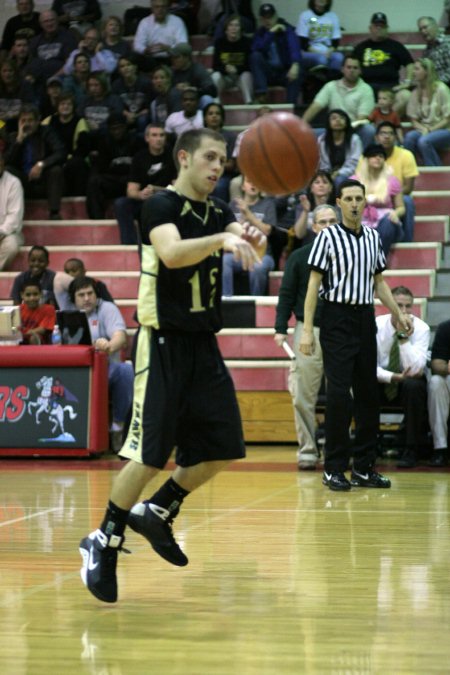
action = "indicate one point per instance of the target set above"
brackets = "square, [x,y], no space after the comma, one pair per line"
[336,481]
[369,478]
[155,524]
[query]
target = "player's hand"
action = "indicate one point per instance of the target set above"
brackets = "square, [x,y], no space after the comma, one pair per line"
[279,339]
[241,249]
[255,237]
[306,344]
[278,28]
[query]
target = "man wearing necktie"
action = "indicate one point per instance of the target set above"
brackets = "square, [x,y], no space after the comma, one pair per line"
[401,365]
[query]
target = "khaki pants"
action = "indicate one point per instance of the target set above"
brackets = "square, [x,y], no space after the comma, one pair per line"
[305,378]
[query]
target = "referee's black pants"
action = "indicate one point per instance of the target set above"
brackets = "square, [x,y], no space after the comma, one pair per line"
[348,341]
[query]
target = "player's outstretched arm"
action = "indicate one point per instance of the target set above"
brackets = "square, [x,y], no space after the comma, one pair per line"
[176,252]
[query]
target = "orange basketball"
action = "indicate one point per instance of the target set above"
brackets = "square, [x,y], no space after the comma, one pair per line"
[279,153]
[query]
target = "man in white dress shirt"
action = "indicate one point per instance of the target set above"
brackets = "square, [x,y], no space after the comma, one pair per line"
[404,385]
[11,216]
[157,34]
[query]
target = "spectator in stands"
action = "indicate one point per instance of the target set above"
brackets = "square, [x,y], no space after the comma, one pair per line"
[404,168]
[231,60]
[152,168]
[167,99]
[401,368]
[319,31]
[228,7]
[101,59]
[382,59]
[275,56]
[187,74]
[384,112]
[20,55]
[439,394]
[190,117]
[135,91]
[438,47]
[306,372]
[49,99]
[99,104]
[214,118]
[37,318]
[429,112]
[24,24]
[76,83]
[73,269]
[350,93]
[79,16]
[52,47]
[108,332]
[11,216]
[339,147]
[321,190]
[157,34]
[73,132]
[109,173]
[14,92]
[38,270]
[112,37]
[36,157]
[384,207]
[254,209]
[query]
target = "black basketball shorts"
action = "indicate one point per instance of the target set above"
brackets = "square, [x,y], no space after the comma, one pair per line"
[184,398]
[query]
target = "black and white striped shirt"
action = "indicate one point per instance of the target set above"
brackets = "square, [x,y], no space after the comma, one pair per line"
[348,262]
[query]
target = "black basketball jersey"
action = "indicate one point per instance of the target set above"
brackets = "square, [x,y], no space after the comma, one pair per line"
[187,298]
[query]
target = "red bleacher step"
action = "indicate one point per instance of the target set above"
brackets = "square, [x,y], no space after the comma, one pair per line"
[71,232]
[259,375]
[249,343]
[72,208]
[429,203]
[415,256]
[433,178]
[431,228]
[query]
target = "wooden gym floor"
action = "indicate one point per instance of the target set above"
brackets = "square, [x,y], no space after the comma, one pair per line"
[284,576]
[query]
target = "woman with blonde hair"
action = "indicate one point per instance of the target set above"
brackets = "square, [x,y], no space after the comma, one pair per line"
[384,199]
[429,111]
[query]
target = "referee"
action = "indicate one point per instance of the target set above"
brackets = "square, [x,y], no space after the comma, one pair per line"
[347,261]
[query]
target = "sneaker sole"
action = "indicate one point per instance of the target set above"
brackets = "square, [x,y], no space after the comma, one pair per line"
[161,550]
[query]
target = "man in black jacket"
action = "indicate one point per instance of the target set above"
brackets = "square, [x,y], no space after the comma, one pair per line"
[36,157]
[111,160]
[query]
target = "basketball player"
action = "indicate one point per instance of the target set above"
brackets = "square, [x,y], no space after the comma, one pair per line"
[183,393]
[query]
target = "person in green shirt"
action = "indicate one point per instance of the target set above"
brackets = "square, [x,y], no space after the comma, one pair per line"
[306,372]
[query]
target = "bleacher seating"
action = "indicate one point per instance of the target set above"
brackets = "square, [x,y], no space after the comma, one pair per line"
[259,368]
